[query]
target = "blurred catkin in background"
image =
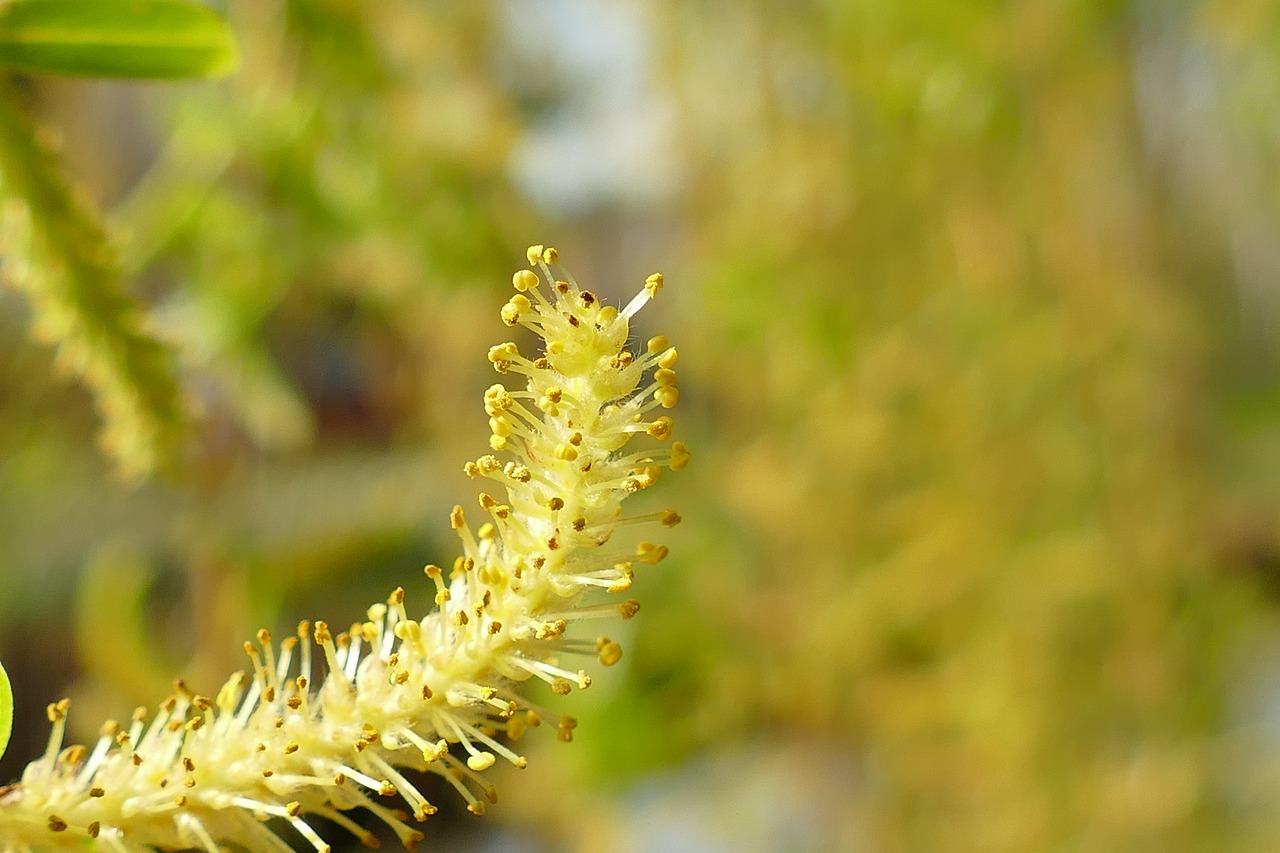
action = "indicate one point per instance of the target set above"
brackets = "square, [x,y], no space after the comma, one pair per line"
[978,316]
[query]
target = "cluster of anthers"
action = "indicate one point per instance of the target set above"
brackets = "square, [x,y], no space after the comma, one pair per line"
[295,737]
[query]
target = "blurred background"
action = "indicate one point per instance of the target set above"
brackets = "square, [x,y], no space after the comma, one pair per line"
[978,308]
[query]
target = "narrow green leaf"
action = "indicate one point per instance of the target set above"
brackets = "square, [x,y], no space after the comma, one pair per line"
[116,38]
[6,709]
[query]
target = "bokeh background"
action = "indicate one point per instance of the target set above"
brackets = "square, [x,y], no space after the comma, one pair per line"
[978,310]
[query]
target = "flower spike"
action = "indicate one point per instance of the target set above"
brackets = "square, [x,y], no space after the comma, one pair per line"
[274,749]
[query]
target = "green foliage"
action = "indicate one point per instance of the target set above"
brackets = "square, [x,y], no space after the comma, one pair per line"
[58,253]
[56,249]
[116,38]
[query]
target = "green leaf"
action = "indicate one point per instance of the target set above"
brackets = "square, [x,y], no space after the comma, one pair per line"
[6,709]
[116,38]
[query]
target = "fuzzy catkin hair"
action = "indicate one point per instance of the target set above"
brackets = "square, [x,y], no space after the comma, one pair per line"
[323,723]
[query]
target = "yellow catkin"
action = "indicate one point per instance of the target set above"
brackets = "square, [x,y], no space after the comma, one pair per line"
[431,693]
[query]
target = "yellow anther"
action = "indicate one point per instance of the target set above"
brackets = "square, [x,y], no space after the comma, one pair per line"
[497,442]
[567,452]
[607,315]
[487,531]
[481,761]
[668,358]
[503,352]
[653,284]
[534,254]
[679,456]
[525,280]
[457,519]
[657,344]
[516,727]
[661,428]
[667,396]
[670,518]
[550,255]
[647,552]
[665,377]
[500,426]
[610,653]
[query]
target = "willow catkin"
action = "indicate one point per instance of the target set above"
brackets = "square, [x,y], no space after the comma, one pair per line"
[323,722]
